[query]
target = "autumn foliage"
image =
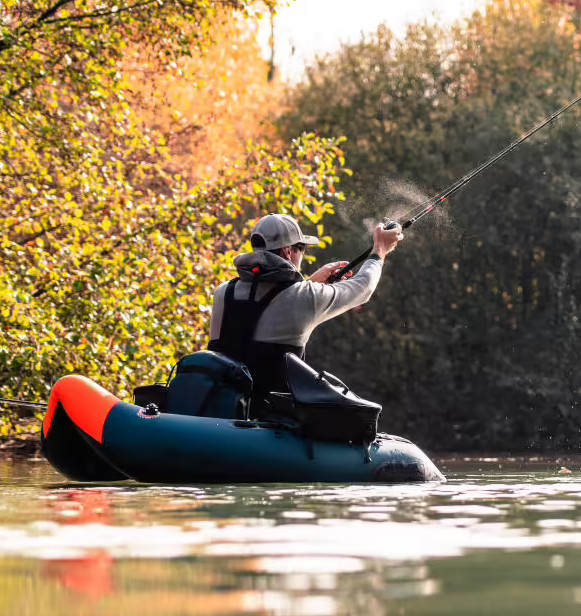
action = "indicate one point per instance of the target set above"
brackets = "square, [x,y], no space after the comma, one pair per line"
[207,105]
[132,160]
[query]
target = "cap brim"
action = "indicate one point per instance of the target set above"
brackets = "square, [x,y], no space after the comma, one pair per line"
[310,240]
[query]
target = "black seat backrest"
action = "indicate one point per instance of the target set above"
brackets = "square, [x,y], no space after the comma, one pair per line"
[311,388]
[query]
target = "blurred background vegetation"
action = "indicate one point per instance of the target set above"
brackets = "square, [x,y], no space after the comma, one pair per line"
[139,143]
[472,340]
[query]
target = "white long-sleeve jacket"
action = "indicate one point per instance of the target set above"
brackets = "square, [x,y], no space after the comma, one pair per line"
[295,312]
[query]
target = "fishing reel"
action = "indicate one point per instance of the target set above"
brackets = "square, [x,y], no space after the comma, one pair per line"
[390,224]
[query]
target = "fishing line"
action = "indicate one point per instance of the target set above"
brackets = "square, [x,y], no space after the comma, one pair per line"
[430,204]
[11,402]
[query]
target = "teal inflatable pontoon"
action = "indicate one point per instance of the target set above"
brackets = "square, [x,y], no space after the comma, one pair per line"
[319,432]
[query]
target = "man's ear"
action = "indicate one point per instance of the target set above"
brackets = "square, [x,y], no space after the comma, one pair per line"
[285,252]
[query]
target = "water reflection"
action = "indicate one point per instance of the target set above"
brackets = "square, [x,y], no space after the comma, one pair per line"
[472,543]
[90,575]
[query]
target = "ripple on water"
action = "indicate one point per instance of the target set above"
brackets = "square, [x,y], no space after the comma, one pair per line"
[391,523]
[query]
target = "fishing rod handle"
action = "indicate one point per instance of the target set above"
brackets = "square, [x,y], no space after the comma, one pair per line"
[340,273]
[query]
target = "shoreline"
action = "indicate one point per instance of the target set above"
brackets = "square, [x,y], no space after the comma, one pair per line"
[20,449]
[564,462]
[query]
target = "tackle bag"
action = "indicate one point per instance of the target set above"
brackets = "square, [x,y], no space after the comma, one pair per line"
[326,409]
[209,384]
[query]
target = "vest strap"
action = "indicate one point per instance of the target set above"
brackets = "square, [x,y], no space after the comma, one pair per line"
[240,319]
[229,295]
[254,286]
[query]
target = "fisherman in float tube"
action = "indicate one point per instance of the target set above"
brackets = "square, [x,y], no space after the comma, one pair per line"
[270,309]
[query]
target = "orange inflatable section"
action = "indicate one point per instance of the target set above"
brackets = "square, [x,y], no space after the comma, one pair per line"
[86,403]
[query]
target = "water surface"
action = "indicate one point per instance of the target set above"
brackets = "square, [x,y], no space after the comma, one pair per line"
[499,537]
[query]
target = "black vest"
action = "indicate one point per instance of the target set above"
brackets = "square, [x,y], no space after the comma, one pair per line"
[265,360]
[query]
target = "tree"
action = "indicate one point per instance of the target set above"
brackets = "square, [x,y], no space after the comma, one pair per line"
[207,105]
[475,330]
[111,244]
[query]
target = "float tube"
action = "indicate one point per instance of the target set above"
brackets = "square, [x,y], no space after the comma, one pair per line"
[89,434]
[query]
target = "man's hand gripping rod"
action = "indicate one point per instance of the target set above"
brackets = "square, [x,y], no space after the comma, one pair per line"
[388,224]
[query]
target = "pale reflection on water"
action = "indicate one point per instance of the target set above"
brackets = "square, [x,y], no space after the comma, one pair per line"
[471,545]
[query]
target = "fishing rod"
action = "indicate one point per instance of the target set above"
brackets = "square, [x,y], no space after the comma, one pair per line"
[11,402]
[431,203]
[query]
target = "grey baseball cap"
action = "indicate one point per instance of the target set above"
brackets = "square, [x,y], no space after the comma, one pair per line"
[277,230]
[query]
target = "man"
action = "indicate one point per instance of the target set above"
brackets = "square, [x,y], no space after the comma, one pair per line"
[271,309]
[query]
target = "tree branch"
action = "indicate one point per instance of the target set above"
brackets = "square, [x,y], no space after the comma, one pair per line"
[109,13]
[9,42]
[52,10]
[35,236]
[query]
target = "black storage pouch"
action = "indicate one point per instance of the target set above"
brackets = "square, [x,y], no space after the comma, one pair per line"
[325,407]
